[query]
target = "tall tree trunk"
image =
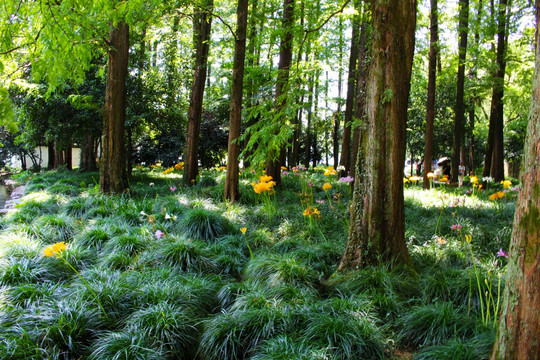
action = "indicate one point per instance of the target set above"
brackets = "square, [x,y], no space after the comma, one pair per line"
[337,114]
[377,230]
[357,154]
[472,118]
[460,108]
[202,26]
[113,177]
[51,155]
[235,120]
[495,167]
[273,165]
[88,156]
[307,149]
[58,157]
[68,161]
[345,159]
[519,327]
[431,90]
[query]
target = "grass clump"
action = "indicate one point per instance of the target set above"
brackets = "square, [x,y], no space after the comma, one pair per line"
[205,225]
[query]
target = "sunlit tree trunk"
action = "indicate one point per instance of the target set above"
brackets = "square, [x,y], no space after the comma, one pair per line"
[495,166]
[431,90]
[463,29]
[235,120]
[519,327]
[201,26]
[377,230]
[113,178]
[273,164]
[337,115]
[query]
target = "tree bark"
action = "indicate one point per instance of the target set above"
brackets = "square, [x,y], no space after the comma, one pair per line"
[202,26]
[520,321]
[88,156]
[51,154]
[273,164]
[235,120]
[337,114]
[345,159]
[431,91]
[495,167]
[113,177]
[307,149]
[377,230]
[463,29]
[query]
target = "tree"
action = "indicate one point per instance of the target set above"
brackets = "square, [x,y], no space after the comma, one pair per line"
[201,28]
[494,161]
[377,230]
[463,29]
[520,321]
[432,82]
[273,164]
[231,179]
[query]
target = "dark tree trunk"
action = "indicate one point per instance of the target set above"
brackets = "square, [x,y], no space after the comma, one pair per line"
[113,177]
[519,327]
[345,159]
[357,155]
[88,155]
[58,158]
[202,25]
[377,230]
[68,161]
[273,165]
[495,167]
[51,155]
[431,90]
[460,108]
[231,180]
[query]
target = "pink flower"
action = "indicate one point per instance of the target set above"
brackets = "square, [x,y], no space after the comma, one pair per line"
[346,179]
[159,234]
[501,253]
[285,173]
[456,227]
[172,188]
[320,201]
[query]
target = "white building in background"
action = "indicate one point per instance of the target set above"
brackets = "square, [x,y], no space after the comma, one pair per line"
[42,156]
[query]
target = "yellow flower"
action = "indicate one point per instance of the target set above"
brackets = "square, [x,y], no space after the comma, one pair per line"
[430,175]
[330,171]
[221,168]
[506,184]
[468,238]
[311,211]
[326,186]
[283,168]
[139,167]
[179,166]
[497,195]
[415,178]
[473,180]
[168,171]
[263,187]
[54,249]
[405,180]
[265,178]
[444,179]
[243,230]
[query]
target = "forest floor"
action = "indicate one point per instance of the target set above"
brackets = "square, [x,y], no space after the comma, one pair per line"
[172,272]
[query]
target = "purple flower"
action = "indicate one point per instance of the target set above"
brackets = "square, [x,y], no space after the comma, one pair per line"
[346,179]
[284,173]
[501,253]
[320,201]
[173,188]
[159,234]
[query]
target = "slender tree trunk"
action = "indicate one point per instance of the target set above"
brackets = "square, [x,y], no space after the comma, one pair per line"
[337,114]
[51,155]
[273,165]
[58,158]
[460,109]
[345,159]
[497,110]
[377,230]
[202,26]
[113,177]
[307,155]
[231,179]
[472,119]
[519,327]
[68,158]
[431,90]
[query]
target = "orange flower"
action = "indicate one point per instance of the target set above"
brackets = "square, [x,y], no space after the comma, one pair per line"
[326,186]
[265,178]
[54,249]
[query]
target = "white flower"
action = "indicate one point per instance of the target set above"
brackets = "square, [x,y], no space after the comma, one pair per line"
[341,168]
[151,184]
[488,179]
[143,213]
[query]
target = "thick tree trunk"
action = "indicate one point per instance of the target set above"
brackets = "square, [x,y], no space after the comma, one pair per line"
[460,108]
[273,164]
[88,155]
[496,122]
[113,177]
[377,230]
[58,158]
[431,91]
[519,327]
[235,120]
[345,159]
[51,155]
[202,27]
[68,161]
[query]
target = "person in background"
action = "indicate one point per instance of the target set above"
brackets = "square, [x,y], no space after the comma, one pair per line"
[461,173]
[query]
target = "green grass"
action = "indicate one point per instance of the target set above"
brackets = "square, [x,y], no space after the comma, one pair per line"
[196,293]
